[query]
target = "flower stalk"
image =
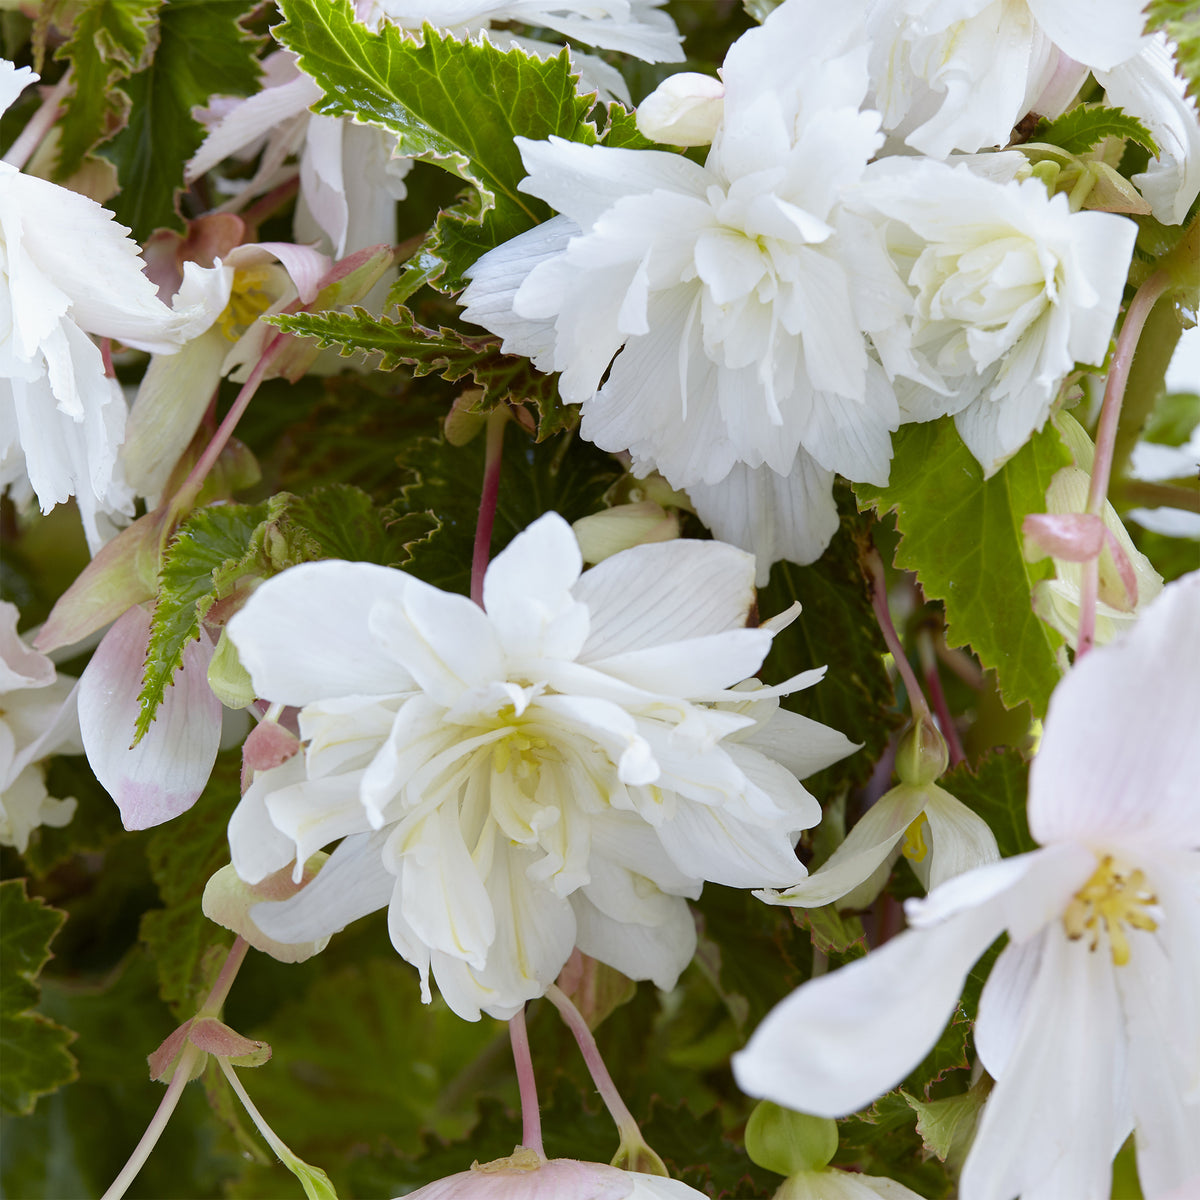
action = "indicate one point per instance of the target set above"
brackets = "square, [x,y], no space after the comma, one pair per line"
[493,455]
[531,1117]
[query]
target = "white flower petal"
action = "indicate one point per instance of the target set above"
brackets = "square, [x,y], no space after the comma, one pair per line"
[960,840]
[656,952]
[304,634]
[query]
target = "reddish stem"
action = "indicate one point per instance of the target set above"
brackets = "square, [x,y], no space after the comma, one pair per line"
[945,719]
[493,454]
[1106,437]
[106,357]
[879,602]
[531,1118]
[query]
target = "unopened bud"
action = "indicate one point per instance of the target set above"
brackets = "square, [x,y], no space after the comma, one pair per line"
[229,680]
[922,756]
[604,534]
[684,110]
[788,1142]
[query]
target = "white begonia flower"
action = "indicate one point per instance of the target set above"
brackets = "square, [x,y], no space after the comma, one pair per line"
[1090,1018]
[721,290]
[333,152]
[37,719]
[176,390]
[832,1184]
[1148,88]
[1056,600]
[70,270]
[1010,290]
[560,770]
[959,74]
[525,1175]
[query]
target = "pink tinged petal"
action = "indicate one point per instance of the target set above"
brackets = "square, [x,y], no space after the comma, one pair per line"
[1089,780]
[842,1039]
[867,846]
[656,952]
[20,667]
[306,266]
[268,745]
[444,640]
[660,594]
[304,634]
[558,1179]
[1076,537]
[164,774]
[527,592]
[1053,1121]
[352,883]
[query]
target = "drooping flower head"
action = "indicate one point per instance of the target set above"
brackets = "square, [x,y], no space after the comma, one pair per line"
[721,289]
[560,768]
[1090,1018]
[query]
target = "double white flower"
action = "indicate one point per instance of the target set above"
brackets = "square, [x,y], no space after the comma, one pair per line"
[69,270]
[561,769]
[1090,1019]
[722,287]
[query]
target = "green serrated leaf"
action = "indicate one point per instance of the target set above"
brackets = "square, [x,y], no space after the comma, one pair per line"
[621,131]
[183,854]
[1079,129]
[202,51]
[996,790]
[837,628]
[962,537]
[831,931]
[947,1126]
[33,1048]
[1180,21]
[883,1140]
[110,40]
[457,104]
[210,539]
[401,340]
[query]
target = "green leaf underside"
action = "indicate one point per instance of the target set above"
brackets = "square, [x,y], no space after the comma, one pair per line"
[455,104]
[33,1048]
[1079,129]
[110,40]
[962,537]
[202,52]
[401,340]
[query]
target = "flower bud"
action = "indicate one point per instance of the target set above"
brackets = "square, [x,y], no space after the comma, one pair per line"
[604,534]
[229,680]
[789,1142]
[684,110]
[922,756]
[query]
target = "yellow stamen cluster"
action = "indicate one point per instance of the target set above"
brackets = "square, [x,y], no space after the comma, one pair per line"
[915,848]
[525,746]
[1114,897]
[247,301]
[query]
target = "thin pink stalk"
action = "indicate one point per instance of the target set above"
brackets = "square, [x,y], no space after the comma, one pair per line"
[106,357]
[945,719]
[183,1070]
[879,602]
[1106,437]
[166,1106]
[40,124]
[493,454]
[617,1108]
[531,1118]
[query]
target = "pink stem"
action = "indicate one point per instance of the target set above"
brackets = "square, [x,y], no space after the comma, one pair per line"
[1106,437]
[40,124]
[166,1106]
[879,602]
[226,976]
[106,357]
[493,454]
[595,1064]
[531,1118]
[933,681]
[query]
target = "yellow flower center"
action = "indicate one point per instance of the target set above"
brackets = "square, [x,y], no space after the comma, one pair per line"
[1114,897]
[247,301]
[522,746]
[914,848]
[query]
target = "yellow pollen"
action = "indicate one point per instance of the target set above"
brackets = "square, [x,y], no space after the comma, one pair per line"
[525,746]
[247,301]
[1113,897]
[914,848]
